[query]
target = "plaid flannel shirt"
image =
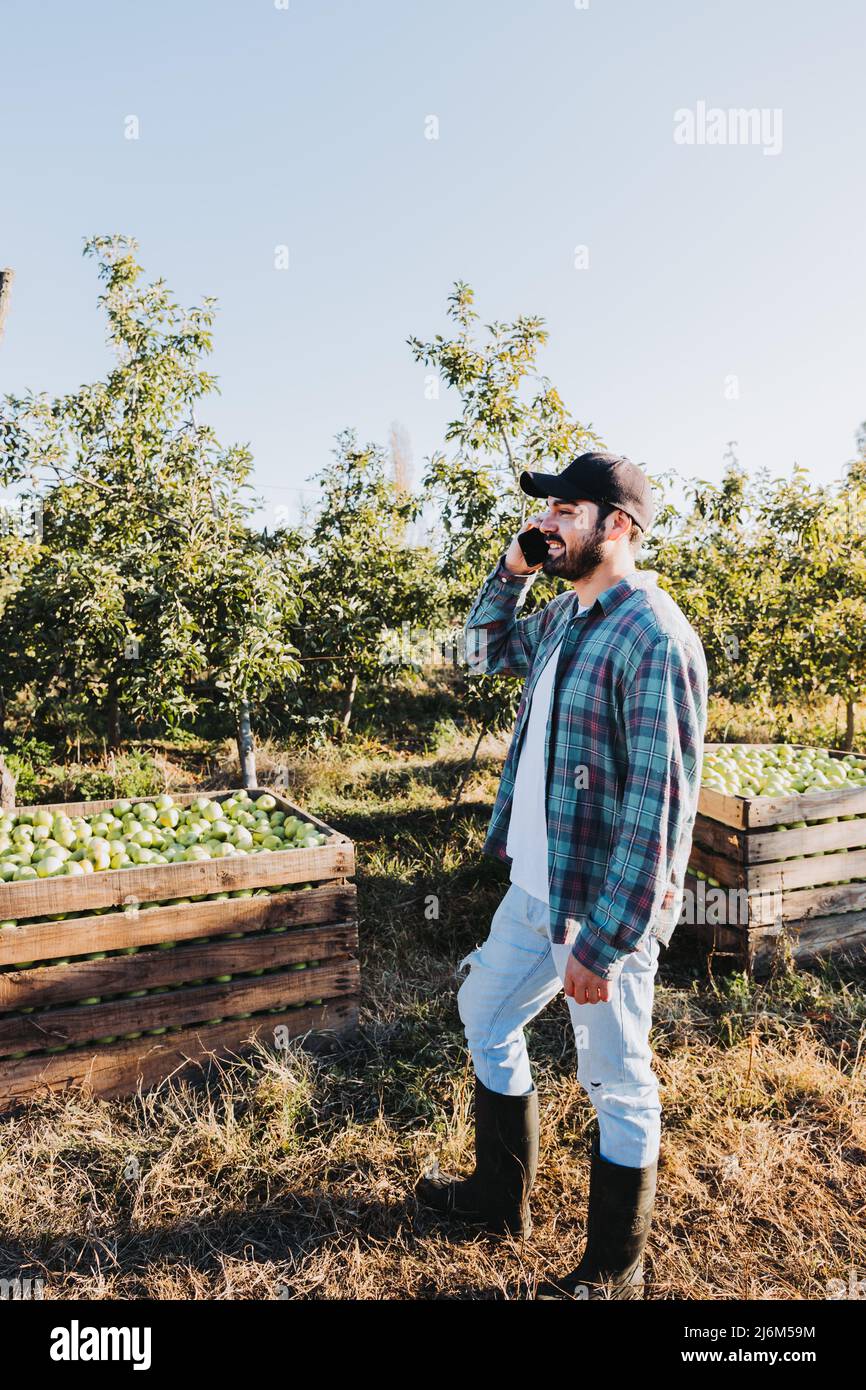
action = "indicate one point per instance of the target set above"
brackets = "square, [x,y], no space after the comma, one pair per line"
[623,751]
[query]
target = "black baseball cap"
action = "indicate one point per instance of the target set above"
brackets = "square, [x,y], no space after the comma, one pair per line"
[598,477]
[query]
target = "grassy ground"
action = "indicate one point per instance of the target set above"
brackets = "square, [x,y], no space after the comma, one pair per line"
[291,1175]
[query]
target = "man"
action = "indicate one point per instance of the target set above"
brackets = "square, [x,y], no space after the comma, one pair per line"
[594,815]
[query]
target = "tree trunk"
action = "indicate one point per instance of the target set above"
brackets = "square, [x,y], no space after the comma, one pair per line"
[349,701]
[246,747]
[112,716]
[465,778]
[6,278]
[7,787]
[849,725]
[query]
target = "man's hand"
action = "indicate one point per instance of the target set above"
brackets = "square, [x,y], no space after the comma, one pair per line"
[584,987]
[515,560]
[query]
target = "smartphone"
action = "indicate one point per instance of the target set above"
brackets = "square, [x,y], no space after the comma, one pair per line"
[534,545]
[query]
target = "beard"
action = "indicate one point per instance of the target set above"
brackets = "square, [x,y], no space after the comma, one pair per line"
[579,558]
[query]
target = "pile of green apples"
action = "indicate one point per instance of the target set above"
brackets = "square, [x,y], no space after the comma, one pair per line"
[40,843]
[779,770]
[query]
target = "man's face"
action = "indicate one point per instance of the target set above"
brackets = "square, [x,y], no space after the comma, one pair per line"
[577,538]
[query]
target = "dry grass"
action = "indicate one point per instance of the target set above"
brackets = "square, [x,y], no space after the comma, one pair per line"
[291,1175]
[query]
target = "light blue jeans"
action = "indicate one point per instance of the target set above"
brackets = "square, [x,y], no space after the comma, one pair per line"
[514,974]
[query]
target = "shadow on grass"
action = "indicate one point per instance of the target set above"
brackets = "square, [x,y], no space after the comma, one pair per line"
[290,1230]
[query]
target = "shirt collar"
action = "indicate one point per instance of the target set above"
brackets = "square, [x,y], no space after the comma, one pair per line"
[611,598]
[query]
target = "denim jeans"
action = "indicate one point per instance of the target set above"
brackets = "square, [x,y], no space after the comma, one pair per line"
[514,974]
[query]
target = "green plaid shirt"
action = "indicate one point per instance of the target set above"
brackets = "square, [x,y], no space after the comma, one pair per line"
[623,751]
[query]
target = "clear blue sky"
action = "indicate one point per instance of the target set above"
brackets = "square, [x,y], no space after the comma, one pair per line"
[306,126]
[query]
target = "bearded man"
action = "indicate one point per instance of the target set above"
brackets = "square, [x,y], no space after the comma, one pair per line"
[594,816]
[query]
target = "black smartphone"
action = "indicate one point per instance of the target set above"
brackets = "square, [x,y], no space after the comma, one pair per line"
[534,545]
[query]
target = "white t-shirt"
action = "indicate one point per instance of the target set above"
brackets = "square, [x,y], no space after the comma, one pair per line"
[527,827]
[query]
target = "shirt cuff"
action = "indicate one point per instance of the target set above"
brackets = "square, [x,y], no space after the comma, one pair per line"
[597,954]
[512,581]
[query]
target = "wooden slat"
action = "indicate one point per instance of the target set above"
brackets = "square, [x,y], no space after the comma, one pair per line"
[810,902]
[753,812]
[55,1027]
[758,846]
[52,985]
[720,935]
[723,941]
[114,887]
[812,939]
[730,810]
[719,838]
[119,1069]
[815,839]
[727,871]
[48,940]
[811,805]
[805,873]
[733,903]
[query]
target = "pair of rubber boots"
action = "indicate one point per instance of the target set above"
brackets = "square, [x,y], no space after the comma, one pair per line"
[496,1196]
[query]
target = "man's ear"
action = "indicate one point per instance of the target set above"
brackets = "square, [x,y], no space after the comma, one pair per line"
[622,520]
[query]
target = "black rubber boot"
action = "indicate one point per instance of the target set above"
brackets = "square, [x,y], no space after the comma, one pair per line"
[621,1202]
[496,1195]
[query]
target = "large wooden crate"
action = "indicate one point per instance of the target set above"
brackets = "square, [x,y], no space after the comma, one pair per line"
[790,899]
[159,971]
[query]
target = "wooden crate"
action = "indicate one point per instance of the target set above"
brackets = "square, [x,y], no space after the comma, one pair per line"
[784,902]
[48,1038]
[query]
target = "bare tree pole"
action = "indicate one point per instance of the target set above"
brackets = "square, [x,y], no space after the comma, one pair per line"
[401,463]
[401,457]
[246,746]
[6,278]
[7,787]
[468,769]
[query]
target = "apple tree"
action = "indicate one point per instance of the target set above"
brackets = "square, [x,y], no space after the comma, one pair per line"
[362,586]
[771,573]
[511,417]
[122,610]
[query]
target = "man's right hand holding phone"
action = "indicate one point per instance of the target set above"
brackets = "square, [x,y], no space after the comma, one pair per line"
[529,549]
